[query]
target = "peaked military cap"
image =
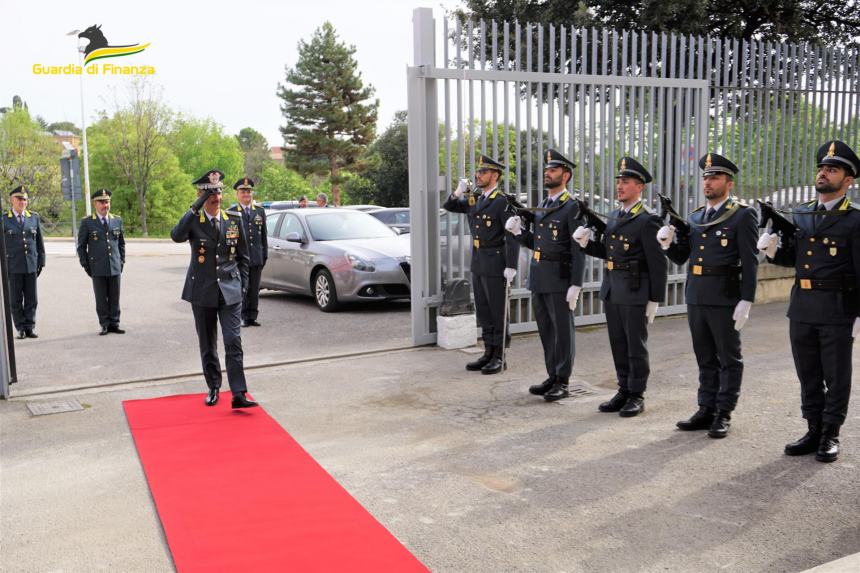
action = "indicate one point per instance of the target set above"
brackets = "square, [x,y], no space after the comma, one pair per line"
[714,163]
[20,191]
[244,183]
[485,162]
[102,194]
[838,153]
[556,159]
[629,167]
[205,182]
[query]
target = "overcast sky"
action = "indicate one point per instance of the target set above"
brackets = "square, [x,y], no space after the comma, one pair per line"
[213,59]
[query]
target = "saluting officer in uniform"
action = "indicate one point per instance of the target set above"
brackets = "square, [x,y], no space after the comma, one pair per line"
[633,285]
[25,259]
[721,283]
[494,258]
[824,312]
[254,226]
[215,284]
[101,251]
[555,274]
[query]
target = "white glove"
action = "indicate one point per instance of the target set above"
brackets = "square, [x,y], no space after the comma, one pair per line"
[582,235]
[514,225]
[510,274]
[665,236]
[856,330]
[573,296]
[651,310]
[461,188]
[768,243]
[742,314]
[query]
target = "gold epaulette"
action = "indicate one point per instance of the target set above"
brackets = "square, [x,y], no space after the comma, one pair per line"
[232,214]
[698,209]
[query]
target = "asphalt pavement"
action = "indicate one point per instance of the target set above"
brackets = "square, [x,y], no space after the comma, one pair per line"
[470,472]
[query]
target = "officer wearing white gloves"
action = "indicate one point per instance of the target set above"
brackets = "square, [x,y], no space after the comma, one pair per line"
[666,236]
[555,274]
[634,283]
[494,258]
[721,285]
[824,311]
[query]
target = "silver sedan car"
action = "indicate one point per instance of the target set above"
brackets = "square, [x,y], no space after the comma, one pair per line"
[335,255]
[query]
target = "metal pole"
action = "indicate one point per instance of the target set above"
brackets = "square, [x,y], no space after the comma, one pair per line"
[8,373]
[84,146]
[74,199]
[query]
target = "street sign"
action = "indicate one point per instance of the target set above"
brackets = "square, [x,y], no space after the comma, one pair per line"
[71,176]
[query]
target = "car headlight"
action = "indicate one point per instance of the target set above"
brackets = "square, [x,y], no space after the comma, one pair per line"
[360,264]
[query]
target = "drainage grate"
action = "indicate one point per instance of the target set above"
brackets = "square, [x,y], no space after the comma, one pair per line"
[581,391]
[53,407]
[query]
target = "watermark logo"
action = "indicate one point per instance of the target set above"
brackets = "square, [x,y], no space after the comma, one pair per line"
[98,47]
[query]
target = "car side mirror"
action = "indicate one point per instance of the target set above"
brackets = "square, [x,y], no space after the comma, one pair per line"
[293,238]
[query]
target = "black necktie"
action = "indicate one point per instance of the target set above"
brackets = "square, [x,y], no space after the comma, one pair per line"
[818,218]
[214,221]
[248,212]
[546,203]
[21,220]
[105,224]
[709,214]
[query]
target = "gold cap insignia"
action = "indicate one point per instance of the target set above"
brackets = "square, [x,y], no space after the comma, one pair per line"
[623,164]
[246,180]
[708,162]
[832,151]
[481,163]
[548,156]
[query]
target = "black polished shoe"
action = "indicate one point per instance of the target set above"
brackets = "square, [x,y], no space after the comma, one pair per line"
[828,448]
[635,405]
[211,397]
[558,390]
[482,361]
[543,387]
[31,334]
[615,403]
[721,425]
[252,323]
[701,420]
[22,335]
[103,331]
[808,444]
[115,329]
[240,401]
[495,365]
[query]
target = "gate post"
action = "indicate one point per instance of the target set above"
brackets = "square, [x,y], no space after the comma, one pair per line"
[423,178]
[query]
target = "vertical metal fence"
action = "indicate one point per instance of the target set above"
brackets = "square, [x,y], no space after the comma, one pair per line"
[510,90]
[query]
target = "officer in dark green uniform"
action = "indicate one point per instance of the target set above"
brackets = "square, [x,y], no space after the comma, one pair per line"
[634,283]
[254,226]
[215,284]
[824,311]
[721,284]
[101,251]
[25,259]
[555,274]
[494,257]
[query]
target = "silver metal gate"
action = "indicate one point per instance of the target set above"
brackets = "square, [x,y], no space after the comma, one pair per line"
[513,111]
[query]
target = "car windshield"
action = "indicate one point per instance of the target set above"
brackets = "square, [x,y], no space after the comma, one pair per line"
[340,225]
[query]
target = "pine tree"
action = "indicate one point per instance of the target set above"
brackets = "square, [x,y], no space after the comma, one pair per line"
[329,118]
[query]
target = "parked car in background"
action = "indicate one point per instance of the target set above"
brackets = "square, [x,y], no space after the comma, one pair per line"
[361,207]
[280,205]
[397,218]
[335,256]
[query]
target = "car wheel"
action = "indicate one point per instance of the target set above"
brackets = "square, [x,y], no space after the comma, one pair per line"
[325,293]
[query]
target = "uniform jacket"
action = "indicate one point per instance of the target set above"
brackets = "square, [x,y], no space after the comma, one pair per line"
[631,241]
[100,251]
[219,262]
[730,243]
[25,247]
[556,265]
[493,250]
[829,251]
[255,233]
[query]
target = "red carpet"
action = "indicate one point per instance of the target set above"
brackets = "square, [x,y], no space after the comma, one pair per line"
[236,493]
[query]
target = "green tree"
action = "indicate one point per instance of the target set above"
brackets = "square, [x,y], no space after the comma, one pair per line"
[255,149]
[201,145]
[30,157]
[389,173]
[278,183]
[64,126]
[329,120]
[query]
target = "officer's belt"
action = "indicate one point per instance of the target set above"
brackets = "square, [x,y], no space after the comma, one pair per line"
[845,283]
[479,245]
[551,257]
[634,267]
[719,271]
